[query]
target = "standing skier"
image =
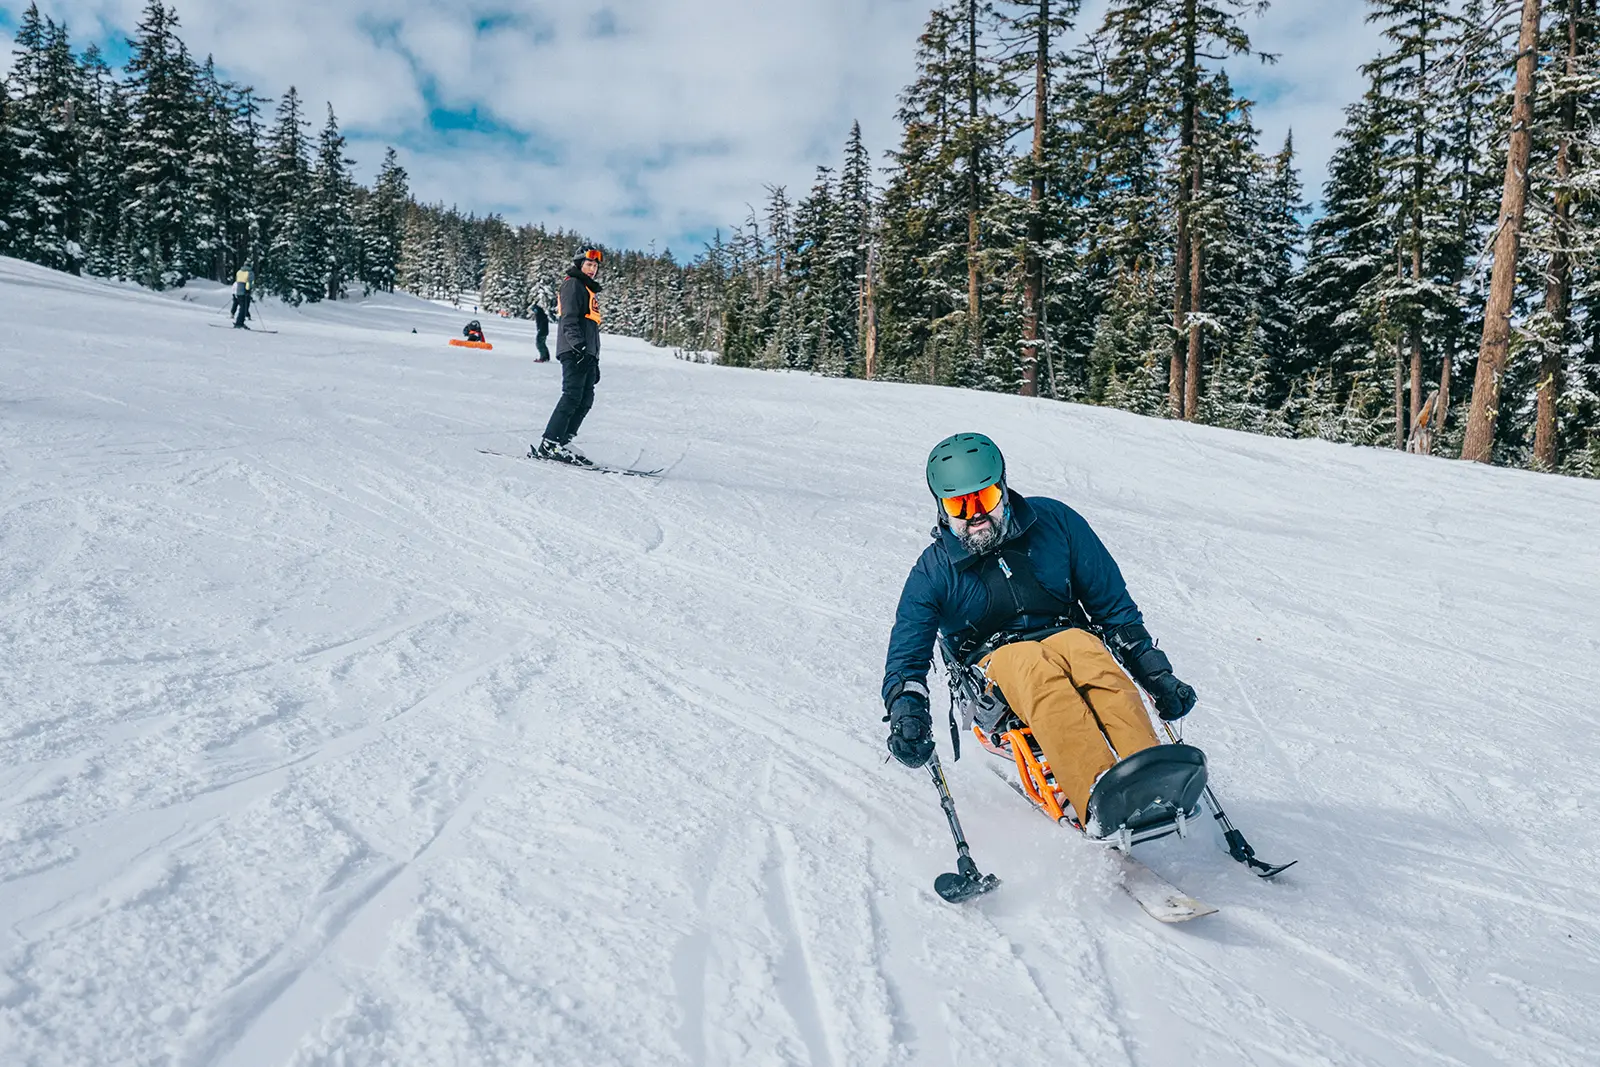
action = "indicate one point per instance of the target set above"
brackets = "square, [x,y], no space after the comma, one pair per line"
[578,350]
[541,323]
[1013,583]
[242,280]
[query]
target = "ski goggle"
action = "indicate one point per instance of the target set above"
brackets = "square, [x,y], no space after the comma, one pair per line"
[971,505]
[594,254]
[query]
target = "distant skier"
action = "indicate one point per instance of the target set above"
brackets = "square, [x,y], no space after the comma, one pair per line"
[242,281]
[578,350]
[474,331]
[1013,583]
[541,323]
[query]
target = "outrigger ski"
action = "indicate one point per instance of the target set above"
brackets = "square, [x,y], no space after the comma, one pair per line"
[598,468]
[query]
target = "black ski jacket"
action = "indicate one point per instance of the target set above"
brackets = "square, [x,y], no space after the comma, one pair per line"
[578,308]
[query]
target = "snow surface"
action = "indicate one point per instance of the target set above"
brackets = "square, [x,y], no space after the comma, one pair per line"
[325,739]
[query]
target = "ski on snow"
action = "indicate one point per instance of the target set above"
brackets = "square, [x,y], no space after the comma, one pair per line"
[220,326]
[596,468]
[1160,899]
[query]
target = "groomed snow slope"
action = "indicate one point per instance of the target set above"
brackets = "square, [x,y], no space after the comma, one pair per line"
[325,739]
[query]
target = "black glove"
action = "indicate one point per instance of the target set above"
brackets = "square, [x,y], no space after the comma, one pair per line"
[1174,699]
[910,728]
[597,372]
[1150,667]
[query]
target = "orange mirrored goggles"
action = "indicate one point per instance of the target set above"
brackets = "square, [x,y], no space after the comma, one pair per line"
[971,505]
[594,254]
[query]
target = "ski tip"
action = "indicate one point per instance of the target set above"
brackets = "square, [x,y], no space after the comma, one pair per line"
[1178,910]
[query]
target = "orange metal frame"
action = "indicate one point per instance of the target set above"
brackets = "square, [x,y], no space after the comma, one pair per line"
[1033,771]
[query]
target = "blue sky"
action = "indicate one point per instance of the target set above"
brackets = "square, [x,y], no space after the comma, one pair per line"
[649,120]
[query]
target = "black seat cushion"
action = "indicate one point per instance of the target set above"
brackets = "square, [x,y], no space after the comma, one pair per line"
[1147,789]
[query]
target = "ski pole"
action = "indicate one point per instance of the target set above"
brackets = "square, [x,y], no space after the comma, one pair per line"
[965,881]
[1238,847]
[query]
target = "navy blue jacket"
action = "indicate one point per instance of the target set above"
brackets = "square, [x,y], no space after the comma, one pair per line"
[943,595]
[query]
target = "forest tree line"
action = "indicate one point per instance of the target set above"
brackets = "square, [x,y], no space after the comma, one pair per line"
[166,172]
[1078,212]
[1087,213]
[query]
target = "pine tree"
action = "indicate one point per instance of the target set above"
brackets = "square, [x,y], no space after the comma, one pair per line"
[944,227]
[1494,351]
[287,265]
[10,169]
[381,225]
[244,179]
[1043,23]
[1350,246]
[1470,112]
[330,226]
[850,256]
[1409,106]
[211,208]
[160,178]
[104,185]
[46,77]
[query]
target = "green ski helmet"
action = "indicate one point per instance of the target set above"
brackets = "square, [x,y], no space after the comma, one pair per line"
[964,463]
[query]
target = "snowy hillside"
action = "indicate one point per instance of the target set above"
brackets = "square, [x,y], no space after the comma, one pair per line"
[326,739]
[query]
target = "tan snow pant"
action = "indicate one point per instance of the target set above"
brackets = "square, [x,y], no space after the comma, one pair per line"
[1084,712]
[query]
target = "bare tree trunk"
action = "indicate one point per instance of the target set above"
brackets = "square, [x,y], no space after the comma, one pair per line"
[1417,147]
[1558,278]
[1182,283]
[1495,345]
[1399,399]
[869,312]
[1441,410]
[1033,260]
[974,309]
[1197,252]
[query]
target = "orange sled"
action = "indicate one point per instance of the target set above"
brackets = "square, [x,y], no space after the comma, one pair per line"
[460,343]
[1034,779]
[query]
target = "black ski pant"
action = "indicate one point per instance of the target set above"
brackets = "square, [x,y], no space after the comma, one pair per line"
[241,309]
[544,347]
[578,376]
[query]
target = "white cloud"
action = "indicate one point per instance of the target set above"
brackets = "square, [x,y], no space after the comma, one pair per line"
[653,119]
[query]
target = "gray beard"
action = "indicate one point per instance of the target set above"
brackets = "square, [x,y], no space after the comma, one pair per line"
[985,540]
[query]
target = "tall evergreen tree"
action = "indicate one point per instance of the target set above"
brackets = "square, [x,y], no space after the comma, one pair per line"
[381,225]
[104,190]
[160,152]
[45,129]
[330,225]
[1409,106]
[287,265]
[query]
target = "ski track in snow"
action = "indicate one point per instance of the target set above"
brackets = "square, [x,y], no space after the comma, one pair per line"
[326,740]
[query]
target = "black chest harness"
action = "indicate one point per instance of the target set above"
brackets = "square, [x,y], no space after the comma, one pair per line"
[1017,603]
[1020,607]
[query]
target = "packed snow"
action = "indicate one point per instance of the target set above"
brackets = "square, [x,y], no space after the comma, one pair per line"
[327,739]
